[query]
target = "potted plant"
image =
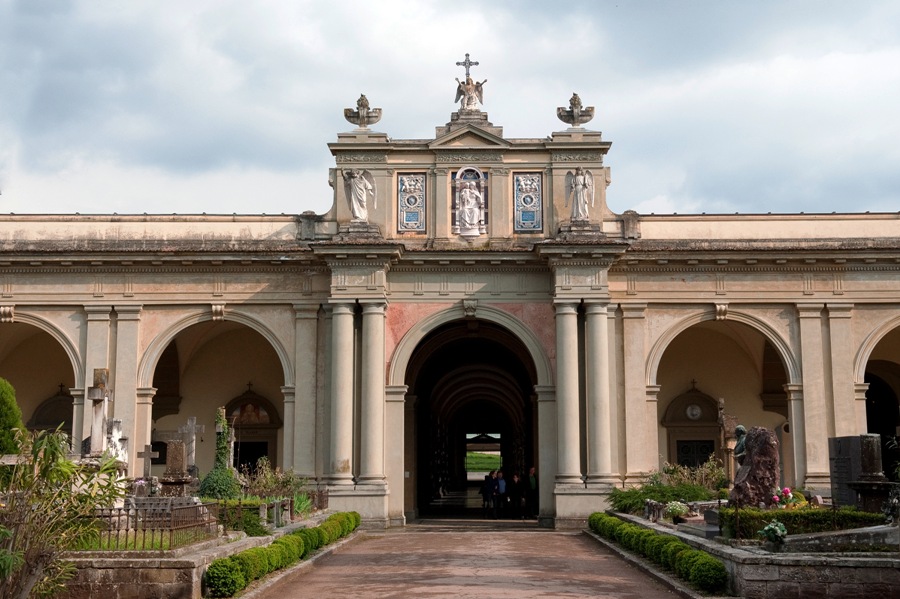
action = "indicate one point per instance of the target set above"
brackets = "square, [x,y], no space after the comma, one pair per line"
[774,534]
[676,510]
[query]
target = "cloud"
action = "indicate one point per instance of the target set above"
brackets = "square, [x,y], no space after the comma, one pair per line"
[710,106]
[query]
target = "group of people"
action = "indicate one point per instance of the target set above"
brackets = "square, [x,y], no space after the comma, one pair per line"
[515,497]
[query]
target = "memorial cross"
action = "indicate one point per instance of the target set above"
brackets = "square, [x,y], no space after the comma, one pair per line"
[147,455]
[189,433]
[467,63]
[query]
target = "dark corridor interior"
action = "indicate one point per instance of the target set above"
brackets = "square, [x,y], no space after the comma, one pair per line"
[883,417]
[469,377]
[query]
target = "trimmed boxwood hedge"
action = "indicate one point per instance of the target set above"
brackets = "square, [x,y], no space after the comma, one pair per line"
[797,521]
[229,575]
[692,565]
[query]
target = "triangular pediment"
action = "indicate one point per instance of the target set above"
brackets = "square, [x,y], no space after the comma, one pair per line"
[469,137]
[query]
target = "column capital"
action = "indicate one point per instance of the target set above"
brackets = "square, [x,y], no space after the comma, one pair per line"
[839,310]
[794,391]
[859,391]
[595,307]
[341,307]
[129,312]
[98,312]
[288,391]
[810,310]
[395,392]
[373,306]
[633,310]
[565,306]
[306,311]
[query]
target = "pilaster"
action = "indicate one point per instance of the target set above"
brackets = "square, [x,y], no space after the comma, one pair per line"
[305,392]
[846,420]
[371,470]
[125,380]
[395,441]
[96,355]
[819,423]
[641,440]
[797,421]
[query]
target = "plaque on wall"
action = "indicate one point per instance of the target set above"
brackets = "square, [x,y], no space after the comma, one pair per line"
[528,203]
[411,202]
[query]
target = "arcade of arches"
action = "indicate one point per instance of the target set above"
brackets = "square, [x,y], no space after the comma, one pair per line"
[363,349]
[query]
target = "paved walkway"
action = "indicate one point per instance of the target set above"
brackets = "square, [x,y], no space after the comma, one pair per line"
[468,558]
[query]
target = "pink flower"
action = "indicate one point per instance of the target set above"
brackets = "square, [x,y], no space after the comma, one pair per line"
[787,491]
[775,499]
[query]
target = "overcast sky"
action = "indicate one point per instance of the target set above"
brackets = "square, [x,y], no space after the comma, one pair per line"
[224,106]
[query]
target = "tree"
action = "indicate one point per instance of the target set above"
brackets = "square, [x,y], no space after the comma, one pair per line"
[47,503]
[10,418]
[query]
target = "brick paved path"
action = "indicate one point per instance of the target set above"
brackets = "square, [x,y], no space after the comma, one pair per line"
[468,560]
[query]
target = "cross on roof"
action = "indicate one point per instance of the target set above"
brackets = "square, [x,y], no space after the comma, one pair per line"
[467,63]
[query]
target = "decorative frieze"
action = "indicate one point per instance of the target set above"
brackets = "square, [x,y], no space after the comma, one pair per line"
[468,156]
[349,157]
[528,203]
[411,202]
[576,157]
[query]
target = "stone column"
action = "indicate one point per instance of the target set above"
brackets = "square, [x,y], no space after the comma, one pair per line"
[144,429]
[341,471]
[798,432]
[547,452]
[371,469]
[859,392]
[289,432]
[818,422]
[394,449]
[77,417]
[96,355]
[641,436]
[597,378]
[567,409]
[842,391]
[125,378]
[306,359]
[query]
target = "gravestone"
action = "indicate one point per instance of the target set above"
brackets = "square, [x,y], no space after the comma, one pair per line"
[176,477]
[845,458]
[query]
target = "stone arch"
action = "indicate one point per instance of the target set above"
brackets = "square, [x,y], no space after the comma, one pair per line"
[868,346]
[411,340]
[765,329]
[67,345]
[154,351]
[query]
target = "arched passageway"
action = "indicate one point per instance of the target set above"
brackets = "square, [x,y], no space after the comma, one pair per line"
[41,373]
[220,364]
[715,360]
[466,378]
[883,399]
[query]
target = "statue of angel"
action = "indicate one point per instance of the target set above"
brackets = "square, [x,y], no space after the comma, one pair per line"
[581,185]
[469,94]
[358,185]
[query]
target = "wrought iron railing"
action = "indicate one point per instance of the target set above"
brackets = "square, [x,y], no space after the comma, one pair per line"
[152,528]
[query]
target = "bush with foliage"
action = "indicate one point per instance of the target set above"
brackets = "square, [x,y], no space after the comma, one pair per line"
[798,521]
[49,506]
[242,514]
[221,482]
[632,500]
[693,565]
[10,418]
[710,475]
[227,576]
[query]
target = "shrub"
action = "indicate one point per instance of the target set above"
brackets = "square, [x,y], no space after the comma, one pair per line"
[609,527]
[684,561]
[293,546]
[242,515]
[10,418]
[798,521]
[310,540]
[671,551]
[655,549]
[332,531]
[642,540]
[254,562]
[357,519]
[709,574]
[224,578]
[220,483]
[276,556]
[632,501]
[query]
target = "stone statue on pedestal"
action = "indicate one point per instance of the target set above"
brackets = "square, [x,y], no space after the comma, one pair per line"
[363,116]
[358,186]
[580,187]
[575,115]
[758,474]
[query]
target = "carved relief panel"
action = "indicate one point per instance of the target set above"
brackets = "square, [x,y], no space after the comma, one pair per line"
[411,202]
[528,203]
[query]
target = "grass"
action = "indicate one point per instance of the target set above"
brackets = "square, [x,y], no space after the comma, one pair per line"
[481,462]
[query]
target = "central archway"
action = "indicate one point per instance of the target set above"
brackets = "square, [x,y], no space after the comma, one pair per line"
[469,378]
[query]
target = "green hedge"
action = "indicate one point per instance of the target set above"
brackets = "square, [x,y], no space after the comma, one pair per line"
[797,521]
[633,499]
[697,567]
[242,515]
[230,575]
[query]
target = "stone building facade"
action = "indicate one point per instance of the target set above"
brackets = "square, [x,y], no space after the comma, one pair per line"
[462,284]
